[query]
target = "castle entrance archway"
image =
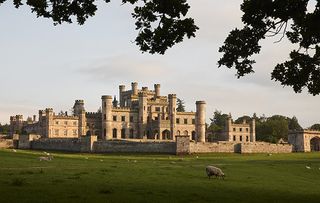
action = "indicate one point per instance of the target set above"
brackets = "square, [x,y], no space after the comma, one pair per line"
[315,144]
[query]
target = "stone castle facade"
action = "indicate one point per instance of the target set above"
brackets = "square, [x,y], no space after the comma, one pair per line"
[140,114]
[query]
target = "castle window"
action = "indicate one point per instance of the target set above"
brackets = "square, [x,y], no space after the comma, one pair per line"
[185,121]
[131,133]
[114,118]
[177,120]
[74,132]
[57,122]
[247,129]
[240,129]
[167,118]
[56,132]
[65,132]
[247,138]
[104,117]
[131,118]
[158,109]
[193,121]
[114,133]
[123,118]
[123,133]
[156,118]
[234,129]
[75,123]
[66,122]
[234,138]
[240,138]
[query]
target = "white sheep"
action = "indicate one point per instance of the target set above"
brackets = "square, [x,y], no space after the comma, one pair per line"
[45,158]
[214,171]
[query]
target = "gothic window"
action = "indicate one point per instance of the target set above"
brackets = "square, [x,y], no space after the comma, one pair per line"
[123,133]
[123,118]
[185,121]
[247,138]
[234,129]
[177,120]
[114,133]
[240,129]
[114,118]
[158,109]
[247,129]
[193,121]
[234,138]
[240,138]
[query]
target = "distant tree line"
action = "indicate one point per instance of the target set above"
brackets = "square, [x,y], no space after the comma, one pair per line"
[4,129]
[268,129]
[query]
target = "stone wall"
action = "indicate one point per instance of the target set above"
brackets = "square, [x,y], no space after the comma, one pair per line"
[6,143]
[264,147]
[207,147]
[134,147]
[84,144]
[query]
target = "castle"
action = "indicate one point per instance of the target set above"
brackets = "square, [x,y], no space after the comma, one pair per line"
[141,113]
[144,121]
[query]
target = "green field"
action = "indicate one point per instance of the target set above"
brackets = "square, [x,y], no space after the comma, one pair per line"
[158,178]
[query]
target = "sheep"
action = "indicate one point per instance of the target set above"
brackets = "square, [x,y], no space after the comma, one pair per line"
[45,158]
[214,171]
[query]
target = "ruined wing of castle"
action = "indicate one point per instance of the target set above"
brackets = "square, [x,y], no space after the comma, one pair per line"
[142,121]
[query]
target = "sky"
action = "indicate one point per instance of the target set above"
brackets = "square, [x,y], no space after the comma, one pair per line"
[43,65]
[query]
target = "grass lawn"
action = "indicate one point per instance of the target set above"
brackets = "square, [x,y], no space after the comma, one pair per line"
[158,178]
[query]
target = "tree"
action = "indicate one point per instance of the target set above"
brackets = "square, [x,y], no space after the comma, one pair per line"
[180,105]
[315,127]
[293,124]
[270,18]
[160,23]
[218,122]
[243,118]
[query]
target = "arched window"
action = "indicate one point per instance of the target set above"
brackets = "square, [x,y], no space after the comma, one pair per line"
[123,133]
[193,137]
[114,133]
[185,132]
[178,132]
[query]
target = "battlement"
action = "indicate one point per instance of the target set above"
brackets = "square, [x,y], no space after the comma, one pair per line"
[66,117]
[93,114]
[79,101]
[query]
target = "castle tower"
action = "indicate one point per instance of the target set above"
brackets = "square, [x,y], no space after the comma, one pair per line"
[201,121]
[106,117]
[253,130]
[122,88]
[79,111]
[49,122]
[157,90]
[172,113]
[229,128]
[143,114]
[134,87]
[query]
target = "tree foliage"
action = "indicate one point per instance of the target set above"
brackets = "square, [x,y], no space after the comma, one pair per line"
[180,105]
[218,122]
[269,18]
[160,23]
[4,128]
[272,129]
[315,127]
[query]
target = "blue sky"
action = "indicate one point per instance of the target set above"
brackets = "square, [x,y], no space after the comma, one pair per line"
[50,66]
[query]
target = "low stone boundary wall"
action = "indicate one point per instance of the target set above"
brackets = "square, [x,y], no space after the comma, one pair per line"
[264,147]
[227,147]
[6,143]
[134,147]
[60,144]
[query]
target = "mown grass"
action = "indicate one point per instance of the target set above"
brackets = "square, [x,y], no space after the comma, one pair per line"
[158,178]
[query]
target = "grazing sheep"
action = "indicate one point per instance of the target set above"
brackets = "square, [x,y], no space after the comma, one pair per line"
[45,158]
[308,167]
[214,171]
